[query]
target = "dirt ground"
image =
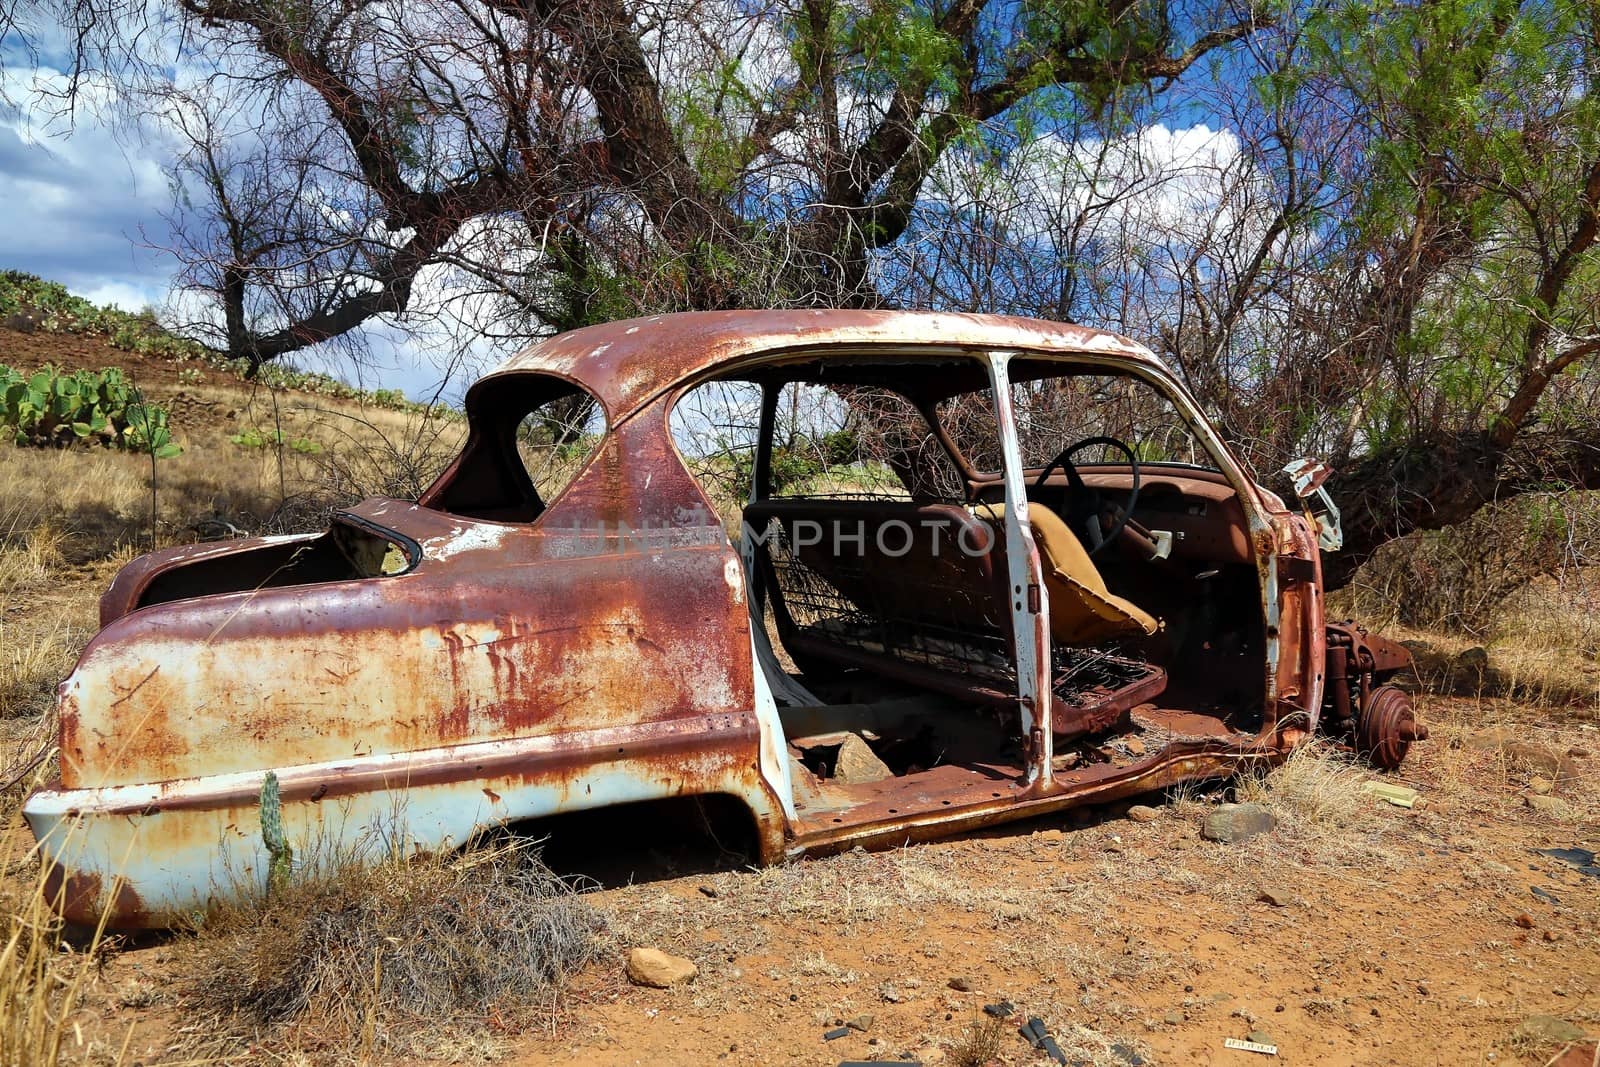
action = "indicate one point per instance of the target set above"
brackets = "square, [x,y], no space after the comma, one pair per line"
[1422,936]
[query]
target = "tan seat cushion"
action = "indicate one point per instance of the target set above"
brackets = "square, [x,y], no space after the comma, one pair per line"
[1082,610]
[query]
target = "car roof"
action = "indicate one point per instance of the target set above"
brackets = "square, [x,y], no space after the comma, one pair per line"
[629,362]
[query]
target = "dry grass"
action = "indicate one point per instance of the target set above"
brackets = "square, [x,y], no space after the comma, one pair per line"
[418,957]
[1318,789]
[980,1044]
[42,979]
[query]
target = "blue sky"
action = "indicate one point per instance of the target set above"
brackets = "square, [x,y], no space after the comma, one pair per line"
[86,203]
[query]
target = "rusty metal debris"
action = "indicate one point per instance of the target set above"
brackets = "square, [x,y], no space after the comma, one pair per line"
[422,671]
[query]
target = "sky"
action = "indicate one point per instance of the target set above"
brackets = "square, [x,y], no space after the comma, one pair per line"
[87,203]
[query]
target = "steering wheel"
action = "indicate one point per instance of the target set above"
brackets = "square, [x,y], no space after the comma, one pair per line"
[1083,507]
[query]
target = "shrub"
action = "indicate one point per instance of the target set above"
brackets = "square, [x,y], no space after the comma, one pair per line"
[347,955]
[52,407]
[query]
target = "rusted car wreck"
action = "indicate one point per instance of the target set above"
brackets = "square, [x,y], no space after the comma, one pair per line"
[1007,627]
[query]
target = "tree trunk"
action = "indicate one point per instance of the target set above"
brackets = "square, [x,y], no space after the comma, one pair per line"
[1434,484]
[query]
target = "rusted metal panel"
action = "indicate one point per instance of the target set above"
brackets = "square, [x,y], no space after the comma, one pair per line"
[630,362]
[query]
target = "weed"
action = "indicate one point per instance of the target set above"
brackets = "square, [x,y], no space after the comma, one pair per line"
[980,1043]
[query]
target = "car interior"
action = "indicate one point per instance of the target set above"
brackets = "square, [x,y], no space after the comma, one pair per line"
[867,497]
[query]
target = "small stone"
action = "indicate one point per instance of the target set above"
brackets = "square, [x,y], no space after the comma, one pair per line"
[857,763]
[1551,935]
[1143,813]
[1548,1029]
[1050,835]
[1540,785]
[1553,806]
[1172,1018]
[1233,823]
[1261,1037]
[961,984]
[1274,895]
[658,970]
[709,891]
[1538,758]
[862,1022]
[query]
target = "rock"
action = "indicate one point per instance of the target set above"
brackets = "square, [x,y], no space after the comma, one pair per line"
[961,984]
[1538,758]
[1545,805]
[1274,895]
[1491,740]
[1054,834]
[1173,1018]
[658,970]
[1260,1037]
[1232,823]
[709,891]
[1540,786]
[1548,1029]
[1125,1054]
[863,1023]
[1143,813]
[856,763]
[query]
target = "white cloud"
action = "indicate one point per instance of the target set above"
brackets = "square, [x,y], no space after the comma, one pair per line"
[83,201]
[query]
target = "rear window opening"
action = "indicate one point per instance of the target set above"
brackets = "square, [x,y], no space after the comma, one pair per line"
[531,435]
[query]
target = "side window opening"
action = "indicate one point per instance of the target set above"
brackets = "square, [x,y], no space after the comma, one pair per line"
[857,441]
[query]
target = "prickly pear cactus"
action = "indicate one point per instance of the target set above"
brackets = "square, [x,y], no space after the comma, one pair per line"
[272,834]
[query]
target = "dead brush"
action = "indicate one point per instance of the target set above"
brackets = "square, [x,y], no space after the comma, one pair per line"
[1318,788]
[41,985]
[348,957]
[367,457]
[980,1043]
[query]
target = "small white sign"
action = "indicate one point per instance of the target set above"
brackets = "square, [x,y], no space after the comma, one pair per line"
[1249,1046]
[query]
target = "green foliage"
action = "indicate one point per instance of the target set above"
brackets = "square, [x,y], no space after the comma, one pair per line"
[797,461]
[253,438]
[272,836]
[60,408]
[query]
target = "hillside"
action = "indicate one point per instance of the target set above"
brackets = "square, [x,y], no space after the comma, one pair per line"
[1355,932]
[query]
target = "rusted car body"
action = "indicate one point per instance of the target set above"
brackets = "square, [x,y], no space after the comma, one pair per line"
[426,670]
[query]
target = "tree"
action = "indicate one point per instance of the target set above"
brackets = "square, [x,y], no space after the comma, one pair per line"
[580,160]
[1385,257]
